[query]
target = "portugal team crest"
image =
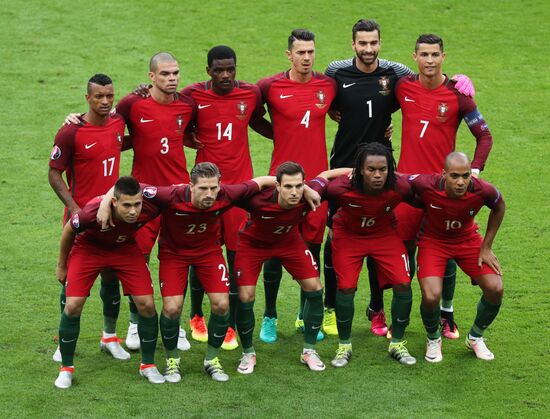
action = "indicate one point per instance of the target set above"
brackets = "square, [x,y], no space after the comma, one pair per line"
[119,138]
[179,121]
[75,221]
[442,110]
[241,109]
[384,83]
[471,212]
[321,98]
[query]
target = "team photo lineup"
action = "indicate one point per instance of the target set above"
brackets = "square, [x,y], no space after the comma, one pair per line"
[219,229]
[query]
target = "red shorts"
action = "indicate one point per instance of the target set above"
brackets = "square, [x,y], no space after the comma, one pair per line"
[293,254]
[388,253]
[147,235]
[210,267]
[231,222]
[433,256]
[409,220]
[313,227]
[86,262]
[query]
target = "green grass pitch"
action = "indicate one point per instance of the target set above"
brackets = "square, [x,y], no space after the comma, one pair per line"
[51,47]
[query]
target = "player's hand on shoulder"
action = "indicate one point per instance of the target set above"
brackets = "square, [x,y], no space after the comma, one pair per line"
[312,198]
[464,85]
[104,215]
[487,256]
[335,115]
[72,118]
[143,90]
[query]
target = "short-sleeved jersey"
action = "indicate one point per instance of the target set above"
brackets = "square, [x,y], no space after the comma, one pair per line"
[222,127]
[449,219]
[365,102]
[363,214]
[188,230]
[269,223]
[430,124]
[89,232]
[156,132]
[90,157]
[298,114]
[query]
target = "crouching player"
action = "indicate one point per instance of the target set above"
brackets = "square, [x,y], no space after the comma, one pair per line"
[189,236]
[86,249]
[364,226]
[451,202]
[270,233]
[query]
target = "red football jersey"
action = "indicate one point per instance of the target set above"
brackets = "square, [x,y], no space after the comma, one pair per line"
[430,123]
[363,214]
[450,219]
[298,112]
[90,156]
[269,224]
[222,127]
[188,230]
[156,132]
[89,232]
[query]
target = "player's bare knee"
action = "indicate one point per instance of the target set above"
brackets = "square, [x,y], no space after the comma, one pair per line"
[145,305]
[347,291]
[171,309]
[311,285]
[220,306]
[247,294]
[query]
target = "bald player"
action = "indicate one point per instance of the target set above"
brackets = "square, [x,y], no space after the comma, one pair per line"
[451,201]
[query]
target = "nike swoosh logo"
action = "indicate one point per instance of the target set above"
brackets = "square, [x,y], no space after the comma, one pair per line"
[115,302]
[204,106]
[265,217]
[434,207]
[88,146]
[408,100]
[219,336]
[316,327]
[148,340]
[171,337]
[67,341]
[248,331]
[401,321]
[285,96]
[181,214]
[345,86]
[354,205]
[143,121]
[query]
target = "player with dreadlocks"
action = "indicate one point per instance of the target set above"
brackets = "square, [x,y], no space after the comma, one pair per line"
[365,226]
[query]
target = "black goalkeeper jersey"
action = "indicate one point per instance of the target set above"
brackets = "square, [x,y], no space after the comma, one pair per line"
[366,102]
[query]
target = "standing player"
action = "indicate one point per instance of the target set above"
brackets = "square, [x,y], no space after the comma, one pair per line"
[363,106]
[89,154]
[156,122]
[449,231]
[297,100]
[225,108]
[156,125]
[92,248]
[432,110]
[271,233]
[364,226]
